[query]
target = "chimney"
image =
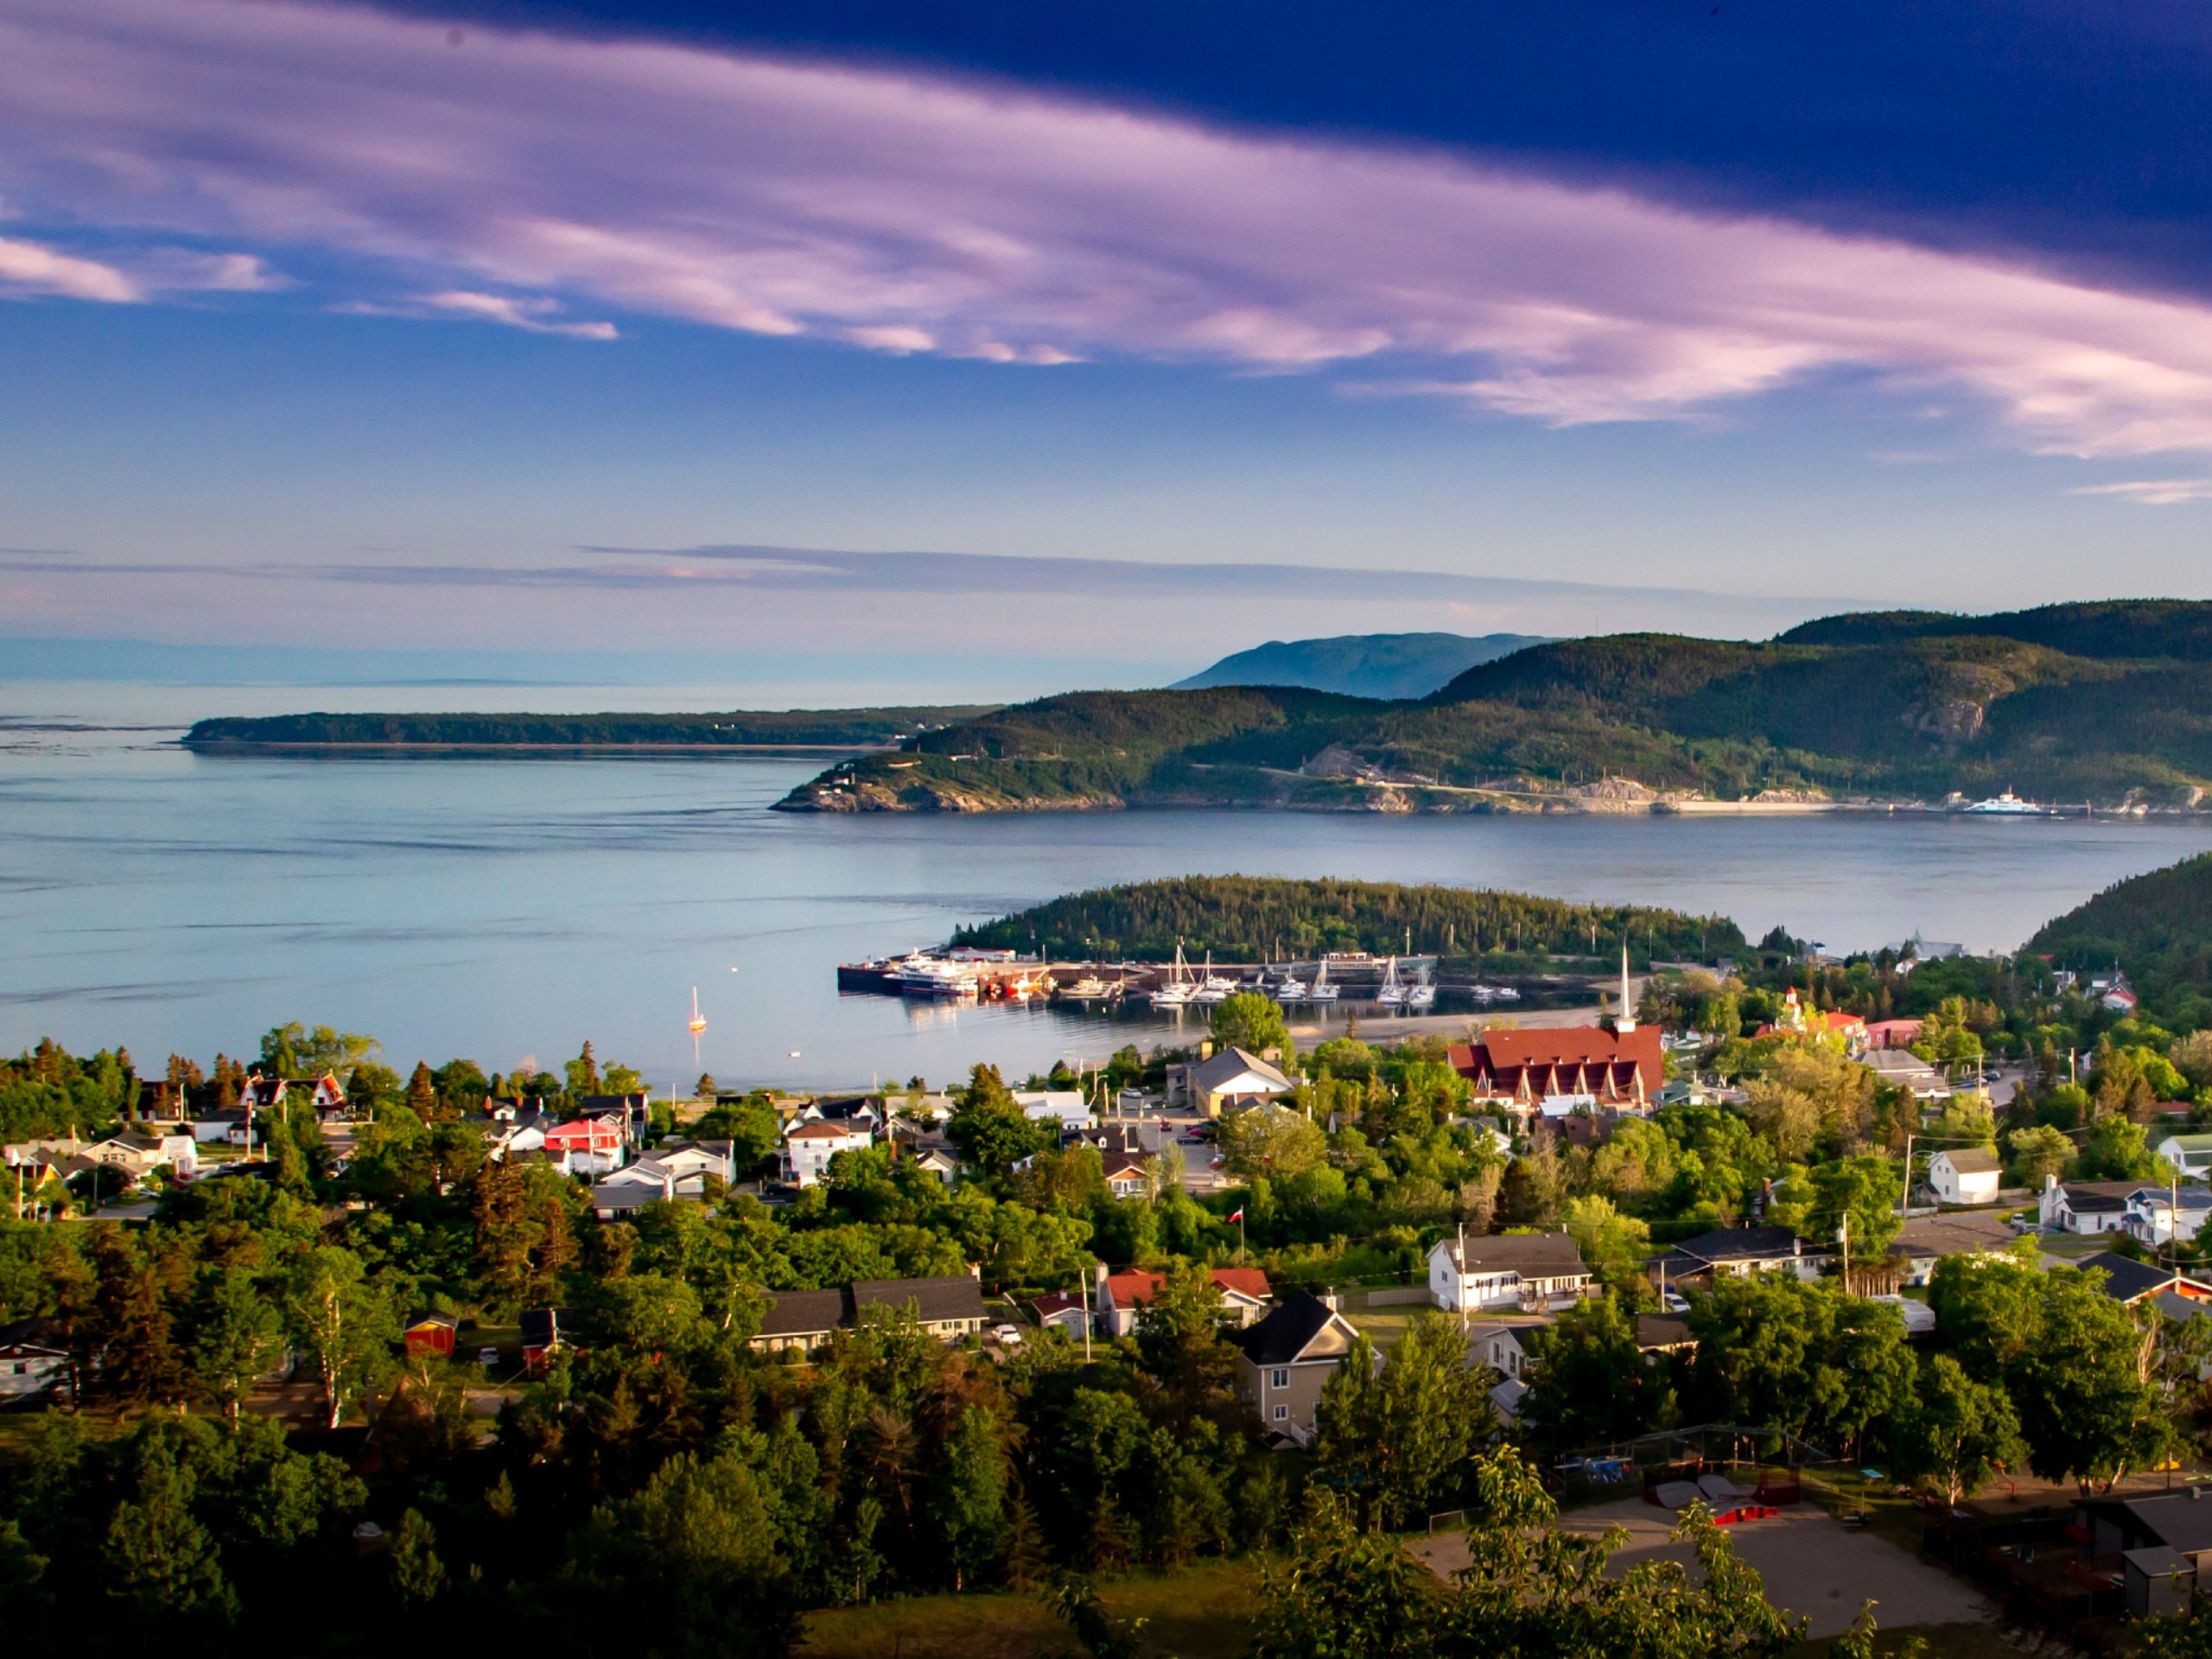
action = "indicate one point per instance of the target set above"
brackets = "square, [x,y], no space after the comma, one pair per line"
[2050,1182]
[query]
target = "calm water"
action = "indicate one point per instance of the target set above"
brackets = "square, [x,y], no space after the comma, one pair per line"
[505,909]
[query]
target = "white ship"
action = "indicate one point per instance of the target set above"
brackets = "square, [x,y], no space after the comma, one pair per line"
[934,977]
[2007,805]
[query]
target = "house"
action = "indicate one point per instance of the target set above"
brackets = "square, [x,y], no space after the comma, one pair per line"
[1618,1071]
[1523,1270]
[1064,1310]
[1244,1296]
[1737,1251]
[2157,1545]
[2155,1214]
[1891,1034]
[634,1110]
[1965,1175]
[1065,1110]
[948,1308]
[2142,1208]
[1126,1174]
[938,1158]
[2190,1153]
[1798,1020]
[810,1144]
[429,1333]
[1902,1069]
[2118,999]
[587,1145]
[2129,1282]
[225,1126]
[32,1361]
[1504,1348]
[1662,1336]
[1228,1081]
[1283,1361]
[1925,1240]
[545,1332]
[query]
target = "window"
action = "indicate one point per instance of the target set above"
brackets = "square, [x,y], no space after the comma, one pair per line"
[1282,1414]
[1279,1379]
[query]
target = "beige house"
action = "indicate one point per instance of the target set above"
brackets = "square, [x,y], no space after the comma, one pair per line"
[1286,1359]
[1228,1082]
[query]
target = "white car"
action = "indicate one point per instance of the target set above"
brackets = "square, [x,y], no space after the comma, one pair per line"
[1674,1302]
[488,1357]
[1009,1334]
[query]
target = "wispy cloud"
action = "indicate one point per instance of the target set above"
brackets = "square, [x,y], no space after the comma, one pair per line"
[536,174]
[539,317]
[2153,492]
[34,268]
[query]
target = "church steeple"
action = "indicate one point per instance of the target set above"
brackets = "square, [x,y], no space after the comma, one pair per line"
[1625,1021]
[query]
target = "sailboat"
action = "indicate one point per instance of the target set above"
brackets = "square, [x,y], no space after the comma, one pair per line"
[698,1024]
[1213,988]
[1289,988]
[1177,991]
[1322,991]
[1422,995]
[1392,994]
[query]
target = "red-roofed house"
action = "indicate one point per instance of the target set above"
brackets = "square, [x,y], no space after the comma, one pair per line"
[1616,1071]
[590,1145]
[1798,1020]
[809,1145]
[1244,1295]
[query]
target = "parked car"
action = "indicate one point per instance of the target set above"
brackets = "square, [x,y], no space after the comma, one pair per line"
[488,1356]
[1009,1334]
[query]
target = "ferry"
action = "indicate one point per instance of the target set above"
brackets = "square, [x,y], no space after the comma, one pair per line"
[2007,805]
[933,977]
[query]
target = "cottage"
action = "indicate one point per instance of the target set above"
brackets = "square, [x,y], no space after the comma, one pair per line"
[1738,1251]
[948,1308]
[32,1361]
[545,1332]
[429,1333]
[1244,1296]
[1284,1360]
[2129,1282]
[1064,1310]
[1126,1174]
[1065,1110]
[1535,1271]
[1228,1081]
[1965,1175]
[809,1145]
[1618,1071]
[2190,1153]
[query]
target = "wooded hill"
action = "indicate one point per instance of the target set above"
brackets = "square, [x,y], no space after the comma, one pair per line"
[2109,703]
[831,728]
[2157,928]
[1251,918]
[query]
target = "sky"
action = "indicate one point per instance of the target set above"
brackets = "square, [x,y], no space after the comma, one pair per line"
[967,350]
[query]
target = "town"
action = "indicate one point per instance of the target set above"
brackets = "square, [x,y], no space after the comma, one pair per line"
[1882,1274]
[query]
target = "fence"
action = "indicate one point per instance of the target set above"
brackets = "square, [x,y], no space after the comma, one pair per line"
[1402,1297]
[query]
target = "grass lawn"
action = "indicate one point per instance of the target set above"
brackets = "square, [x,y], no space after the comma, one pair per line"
[1201,1613]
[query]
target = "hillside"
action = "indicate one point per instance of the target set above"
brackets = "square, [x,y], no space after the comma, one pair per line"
[1389,665]
[2157,928]
[1890,708]
[1242,918]
[812,728]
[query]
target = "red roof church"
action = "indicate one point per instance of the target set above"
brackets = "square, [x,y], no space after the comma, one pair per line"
[1619,1068]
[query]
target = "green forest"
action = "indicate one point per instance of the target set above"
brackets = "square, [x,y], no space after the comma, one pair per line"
[2156,927]
[1251,918]
[2108,705]
[795,727]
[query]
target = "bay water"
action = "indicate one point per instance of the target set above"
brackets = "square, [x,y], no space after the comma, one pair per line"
[507,910]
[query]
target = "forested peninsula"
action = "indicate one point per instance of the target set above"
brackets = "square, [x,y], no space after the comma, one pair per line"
[792,729]
[1242,917]
[2104,706]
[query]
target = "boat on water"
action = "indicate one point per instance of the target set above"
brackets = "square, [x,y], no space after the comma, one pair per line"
[1213,988]
[1289,988]
[1392,994]
[1089,988]
[1420,996]
[931,977]
[1321,990]
[2006,806]
[1177,991]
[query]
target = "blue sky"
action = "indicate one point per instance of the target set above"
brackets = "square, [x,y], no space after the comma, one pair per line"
[496,328]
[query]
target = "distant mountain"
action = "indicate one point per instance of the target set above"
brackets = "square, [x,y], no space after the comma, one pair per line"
[2109,703]
[1387,666]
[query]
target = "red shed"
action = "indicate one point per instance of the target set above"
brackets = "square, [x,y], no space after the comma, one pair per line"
[431,1333]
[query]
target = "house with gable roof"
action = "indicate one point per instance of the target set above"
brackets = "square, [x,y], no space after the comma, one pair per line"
[1227,1082]
[1617,1071]
[1283,1361]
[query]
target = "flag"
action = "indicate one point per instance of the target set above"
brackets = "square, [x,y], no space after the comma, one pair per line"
[1239,1216]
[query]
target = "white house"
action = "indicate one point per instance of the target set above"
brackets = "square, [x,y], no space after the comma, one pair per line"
[2154,1216]
[1530,1270]
[2084,1206]
[29,1362]
[2190,1153]
[1500,1348]
[1965,1175]
[1065,1110]
[809,1147]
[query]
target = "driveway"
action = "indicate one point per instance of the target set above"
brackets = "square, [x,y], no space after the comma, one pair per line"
[1813,1566]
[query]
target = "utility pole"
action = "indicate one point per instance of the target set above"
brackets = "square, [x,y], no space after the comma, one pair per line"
[1844,1233]
[1904,1205]
[1459,1278]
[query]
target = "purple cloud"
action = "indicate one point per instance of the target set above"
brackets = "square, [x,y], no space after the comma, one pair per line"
[514,176]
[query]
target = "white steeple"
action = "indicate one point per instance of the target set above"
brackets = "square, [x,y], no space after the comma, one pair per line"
[1625,1021]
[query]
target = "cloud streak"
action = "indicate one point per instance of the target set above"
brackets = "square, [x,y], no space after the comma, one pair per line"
[529,174]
